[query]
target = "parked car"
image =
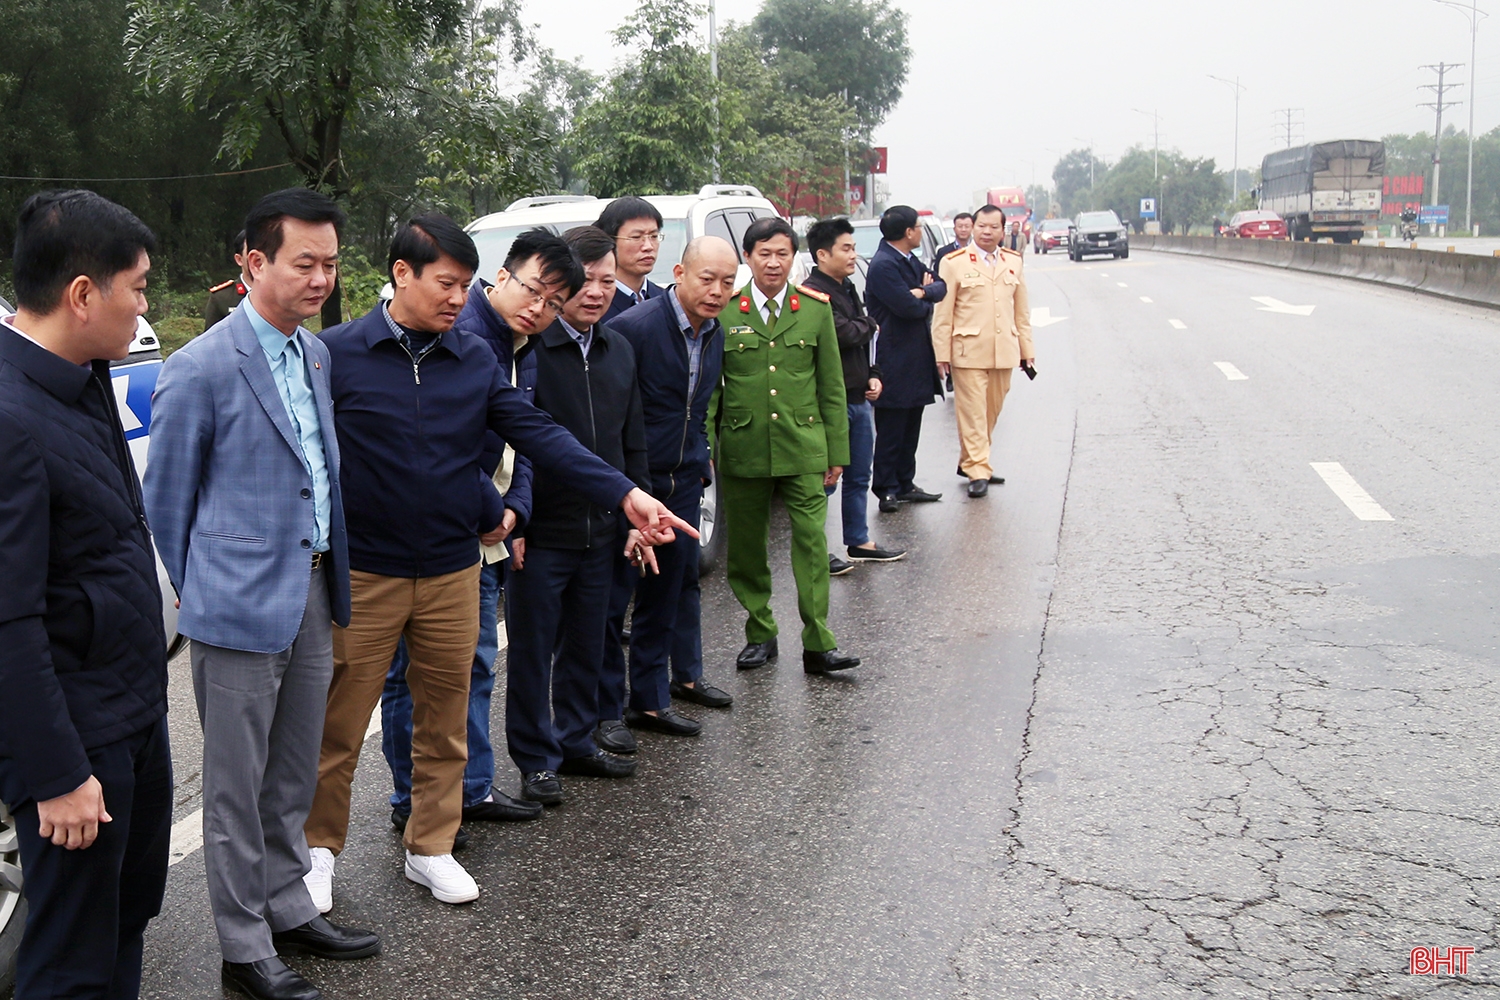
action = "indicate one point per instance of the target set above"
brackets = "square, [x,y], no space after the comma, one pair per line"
[1051,234]
[1099,232]
[1256,224]
[725,210]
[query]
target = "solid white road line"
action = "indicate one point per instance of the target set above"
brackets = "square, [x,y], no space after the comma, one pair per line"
[187,833]
[1177,324]
[1041,316]
[1145,299]
[1232,373]
[1346,489]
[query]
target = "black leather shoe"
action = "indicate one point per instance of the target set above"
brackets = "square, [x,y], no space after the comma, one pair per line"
[889,504]
[875,554]
[399,818]
[978,487]
[664,721]
[543,787]
[702,693]
[268,979]
[994,480]
[837,566]
[501,808]
[612,735]
[916,495]
[757,654]
[827,662]
[598,765]
[326,940]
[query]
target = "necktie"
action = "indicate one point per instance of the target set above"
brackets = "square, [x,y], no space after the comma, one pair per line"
[640,296]
[989,259]
[771,317]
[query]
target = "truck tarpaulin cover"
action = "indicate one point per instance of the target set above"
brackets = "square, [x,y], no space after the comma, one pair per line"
[1317,157]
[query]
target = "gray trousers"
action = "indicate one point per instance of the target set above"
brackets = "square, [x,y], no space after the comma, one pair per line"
[262,716]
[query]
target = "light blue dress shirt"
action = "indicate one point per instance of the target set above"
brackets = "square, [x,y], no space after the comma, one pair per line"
[288,360]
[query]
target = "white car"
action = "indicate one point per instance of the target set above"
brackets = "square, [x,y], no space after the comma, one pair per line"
[725,210]
[134,379]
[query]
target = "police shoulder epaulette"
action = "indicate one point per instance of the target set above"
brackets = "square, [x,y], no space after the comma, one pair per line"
[1013,253]
[954,253]
[813,293]
[221,286]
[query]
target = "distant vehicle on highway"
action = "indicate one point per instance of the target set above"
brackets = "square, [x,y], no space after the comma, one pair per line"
[1099,232]
[1326,189]
[1012,201]
[1256,224]
[1051,234]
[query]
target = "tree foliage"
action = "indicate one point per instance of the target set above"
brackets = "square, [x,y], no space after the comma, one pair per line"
[1073,181]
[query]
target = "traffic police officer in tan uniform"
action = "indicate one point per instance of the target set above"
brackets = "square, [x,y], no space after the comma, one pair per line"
[781,426]
[981,330]
[226,296]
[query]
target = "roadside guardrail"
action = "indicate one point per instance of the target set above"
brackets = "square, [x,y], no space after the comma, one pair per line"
[1462,277]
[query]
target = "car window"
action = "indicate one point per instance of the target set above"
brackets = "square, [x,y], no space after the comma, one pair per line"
[739,224]
[1098,219]
[867,240]
[717,225]
[1055,225]
[673,240]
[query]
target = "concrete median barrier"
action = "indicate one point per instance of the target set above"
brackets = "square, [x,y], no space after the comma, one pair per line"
[1461,277]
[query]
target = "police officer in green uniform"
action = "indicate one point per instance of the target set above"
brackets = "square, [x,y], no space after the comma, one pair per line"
[224,297]
[781,424]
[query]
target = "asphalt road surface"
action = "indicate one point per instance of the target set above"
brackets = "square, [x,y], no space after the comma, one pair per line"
[1201,702]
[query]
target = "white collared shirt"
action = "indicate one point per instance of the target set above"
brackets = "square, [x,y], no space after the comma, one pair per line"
[760,299]
[10,324]
[991,258]
[623,289]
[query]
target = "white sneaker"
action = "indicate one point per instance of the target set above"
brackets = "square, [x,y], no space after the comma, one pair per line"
[444,876]
[319,881]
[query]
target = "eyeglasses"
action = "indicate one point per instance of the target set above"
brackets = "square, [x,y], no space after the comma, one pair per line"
[551,305]
[646,238]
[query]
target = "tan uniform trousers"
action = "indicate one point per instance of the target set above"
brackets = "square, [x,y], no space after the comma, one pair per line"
[439,616]
[978,395]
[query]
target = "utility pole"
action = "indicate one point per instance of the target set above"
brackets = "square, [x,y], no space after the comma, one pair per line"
[1441,69]
[713,71]
[1238,87]
[1288,125]
[1473,13]
[1155,138]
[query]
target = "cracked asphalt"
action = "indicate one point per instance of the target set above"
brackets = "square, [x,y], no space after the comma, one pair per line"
[1158,718]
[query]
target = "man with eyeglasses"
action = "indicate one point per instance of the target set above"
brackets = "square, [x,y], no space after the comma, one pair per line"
[635,225]
[524,300]
[412,399]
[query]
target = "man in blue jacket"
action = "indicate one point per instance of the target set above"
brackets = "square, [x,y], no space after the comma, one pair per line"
[243,489]
[679,349]
[900,292]
[84,764]
[635,226]
[412,400]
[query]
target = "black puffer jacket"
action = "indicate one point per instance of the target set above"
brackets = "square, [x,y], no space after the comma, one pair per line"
[83,651]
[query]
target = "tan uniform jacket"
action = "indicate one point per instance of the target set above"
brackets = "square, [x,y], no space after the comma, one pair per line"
[984,321]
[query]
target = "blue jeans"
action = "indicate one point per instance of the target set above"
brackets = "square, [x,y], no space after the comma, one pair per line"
[395,706]
[856,478]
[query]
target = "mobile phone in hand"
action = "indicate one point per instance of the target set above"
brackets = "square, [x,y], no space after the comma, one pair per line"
[1029,369]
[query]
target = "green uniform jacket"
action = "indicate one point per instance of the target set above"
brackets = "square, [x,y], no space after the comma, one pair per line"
[779,409]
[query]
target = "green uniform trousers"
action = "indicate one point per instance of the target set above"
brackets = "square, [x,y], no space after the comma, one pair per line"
[747,517]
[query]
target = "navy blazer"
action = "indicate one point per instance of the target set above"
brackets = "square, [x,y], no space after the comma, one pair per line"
[228,495]
[411,438]
[676,427]
[83,653]
[908,366]
[622,302]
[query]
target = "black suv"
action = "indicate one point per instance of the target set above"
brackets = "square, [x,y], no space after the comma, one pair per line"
[1099,232]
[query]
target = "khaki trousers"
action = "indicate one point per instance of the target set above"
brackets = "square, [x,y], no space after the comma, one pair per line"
[439,617]
[978,395]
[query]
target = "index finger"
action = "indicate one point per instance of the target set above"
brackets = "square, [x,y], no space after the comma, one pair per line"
[671,520]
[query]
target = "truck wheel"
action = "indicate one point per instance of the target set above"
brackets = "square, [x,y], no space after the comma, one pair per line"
[711,539]
[1125,254]
[12,905]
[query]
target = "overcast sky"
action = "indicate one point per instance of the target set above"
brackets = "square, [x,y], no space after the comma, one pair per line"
[999,89]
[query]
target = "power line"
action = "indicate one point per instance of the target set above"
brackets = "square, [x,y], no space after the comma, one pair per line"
[1289,124]
[1441,69]
[112,180]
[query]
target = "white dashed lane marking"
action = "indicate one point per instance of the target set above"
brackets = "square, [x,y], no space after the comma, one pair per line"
[1146,299]
[1122,284]
[1346,489]
[1232,373]
[1177,324]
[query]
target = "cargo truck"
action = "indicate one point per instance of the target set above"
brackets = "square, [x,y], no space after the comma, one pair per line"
[1326,190]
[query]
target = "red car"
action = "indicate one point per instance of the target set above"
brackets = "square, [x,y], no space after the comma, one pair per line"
[1256,225]
[1050,234]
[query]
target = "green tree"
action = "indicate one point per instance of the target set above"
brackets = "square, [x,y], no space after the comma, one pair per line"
[651,129]
[1074,177]
[826,48]
[1193,192]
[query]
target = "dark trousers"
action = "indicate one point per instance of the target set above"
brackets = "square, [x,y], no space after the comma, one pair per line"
[897,431]
[612,673]
[556,603]
[89,908]
[667,628]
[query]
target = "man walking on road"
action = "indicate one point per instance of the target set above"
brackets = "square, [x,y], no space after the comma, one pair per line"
[85,769]
[244,493]
[782,426]
[980,333]
[831,242]
[901,292]
[679,348]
